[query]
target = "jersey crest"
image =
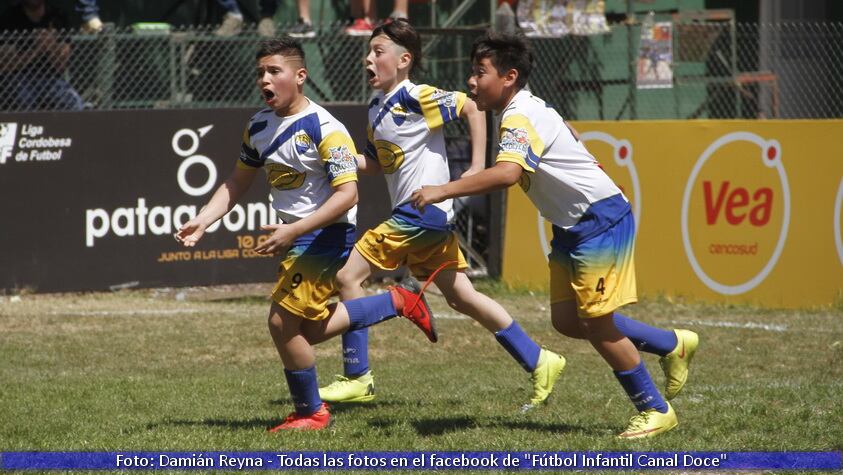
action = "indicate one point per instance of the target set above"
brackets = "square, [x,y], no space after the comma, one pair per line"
[302,141]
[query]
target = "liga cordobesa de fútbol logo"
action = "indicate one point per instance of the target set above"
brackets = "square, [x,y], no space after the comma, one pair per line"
[615,158]
[736,212]
[8,132]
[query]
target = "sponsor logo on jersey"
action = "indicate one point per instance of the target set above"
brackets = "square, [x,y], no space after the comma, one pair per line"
[399,110]
[283,177]
[444,98]
[516,141]
[341,161]
[390,156]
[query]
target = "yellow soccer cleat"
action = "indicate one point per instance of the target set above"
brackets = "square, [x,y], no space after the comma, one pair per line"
[650,423]
[675,364]
[547,371]
[359,389]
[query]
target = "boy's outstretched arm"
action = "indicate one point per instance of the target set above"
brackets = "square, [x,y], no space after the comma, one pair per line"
[283,235]
[502,175]
[477,131]
[226,196]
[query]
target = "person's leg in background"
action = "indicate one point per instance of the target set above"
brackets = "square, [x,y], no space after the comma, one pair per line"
[363,12]
[400,10]
[232,22]
[90,12]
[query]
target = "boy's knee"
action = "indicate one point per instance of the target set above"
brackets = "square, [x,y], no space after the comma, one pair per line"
[459,301]
[599,328]
[568,327]
[275,322]
[566,320]
[347,280]
[313,332]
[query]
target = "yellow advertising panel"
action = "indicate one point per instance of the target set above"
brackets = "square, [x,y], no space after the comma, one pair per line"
[728,211]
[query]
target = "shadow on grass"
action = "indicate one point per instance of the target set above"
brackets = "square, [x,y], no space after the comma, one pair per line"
[227,423]
[441,425]
[340,407]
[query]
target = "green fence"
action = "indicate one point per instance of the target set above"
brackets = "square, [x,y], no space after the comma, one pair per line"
[720,70]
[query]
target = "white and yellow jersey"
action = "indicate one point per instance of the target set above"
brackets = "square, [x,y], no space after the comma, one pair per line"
[406,138]
[304,155]
[560,176]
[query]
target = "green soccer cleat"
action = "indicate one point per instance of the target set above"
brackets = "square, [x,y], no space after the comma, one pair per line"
[675,364]
[650,423]
[547,371]
[359,389]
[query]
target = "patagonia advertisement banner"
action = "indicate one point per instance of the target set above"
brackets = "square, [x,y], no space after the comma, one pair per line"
[725,211]
[90,200]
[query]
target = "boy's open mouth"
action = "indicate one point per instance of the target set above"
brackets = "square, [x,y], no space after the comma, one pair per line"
[267,94]
[370,73]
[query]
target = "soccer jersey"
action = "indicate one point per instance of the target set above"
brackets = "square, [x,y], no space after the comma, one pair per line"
[305,156]
[560,176]
[405,137]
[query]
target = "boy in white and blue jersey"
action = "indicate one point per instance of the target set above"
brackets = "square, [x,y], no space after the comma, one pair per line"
[310,164]
[406,143]
[591,263]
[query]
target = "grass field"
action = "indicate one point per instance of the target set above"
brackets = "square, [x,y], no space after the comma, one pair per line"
[194,369]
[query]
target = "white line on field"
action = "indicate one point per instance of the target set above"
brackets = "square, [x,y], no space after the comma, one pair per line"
[162,312]
[183,311]
[765,384]
[755,326]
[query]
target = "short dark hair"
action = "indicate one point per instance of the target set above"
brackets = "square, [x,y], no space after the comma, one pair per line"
[283,45]
[402,33]
[505,51]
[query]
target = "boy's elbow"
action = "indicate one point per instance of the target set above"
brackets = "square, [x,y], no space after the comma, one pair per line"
[470,110]
[510,174]
[353,197]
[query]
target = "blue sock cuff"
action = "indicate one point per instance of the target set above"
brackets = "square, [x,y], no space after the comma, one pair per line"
[645,337]
[367,311]
[520,346]
[640,388]
[355,352]
[356,311]
[304,389]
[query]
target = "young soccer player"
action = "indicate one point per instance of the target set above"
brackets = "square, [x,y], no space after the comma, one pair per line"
[406,143]
[591,262]
[310,165]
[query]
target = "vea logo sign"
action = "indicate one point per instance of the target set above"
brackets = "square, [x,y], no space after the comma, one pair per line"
[736,212]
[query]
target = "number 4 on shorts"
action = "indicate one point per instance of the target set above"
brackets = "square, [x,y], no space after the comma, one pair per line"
[601,286]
